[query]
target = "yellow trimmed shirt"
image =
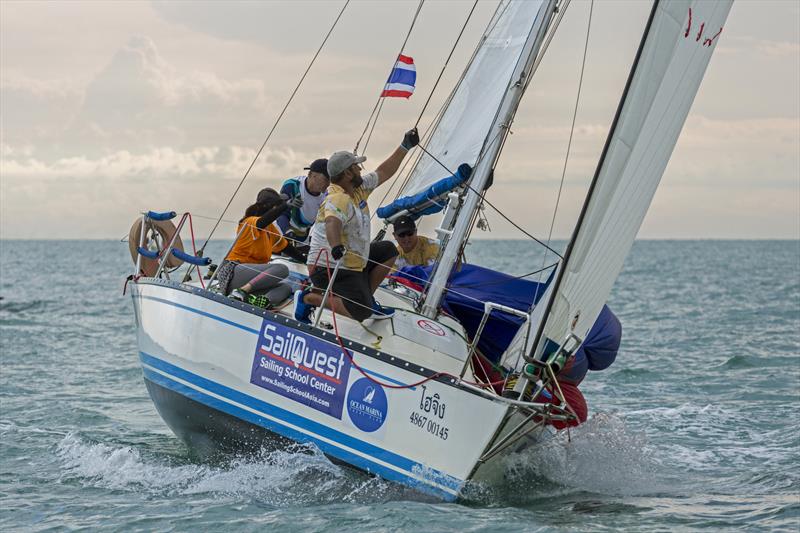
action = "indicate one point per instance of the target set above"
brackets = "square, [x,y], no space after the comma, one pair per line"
[423,254]
[353,212]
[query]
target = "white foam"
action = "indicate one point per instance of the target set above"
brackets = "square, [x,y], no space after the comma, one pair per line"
[294,476]
[121,467]
[601,455]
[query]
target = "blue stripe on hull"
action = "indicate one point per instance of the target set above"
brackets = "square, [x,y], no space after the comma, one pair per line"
[249,330]
[319,429]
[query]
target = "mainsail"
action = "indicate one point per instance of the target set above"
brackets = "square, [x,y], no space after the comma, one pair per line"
[465,124]
[492,133]
[676,48]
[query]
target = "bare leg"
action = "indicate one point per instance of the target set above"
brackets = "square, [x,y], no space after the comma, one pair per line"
[379,273]
[334,302]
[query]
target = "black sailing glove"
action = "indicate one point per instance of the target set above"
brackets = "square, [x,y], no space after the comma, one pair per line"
[338,251]
[411,139]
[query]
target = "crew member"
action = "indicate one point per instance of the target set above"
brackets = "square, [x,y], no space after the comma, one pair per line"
[342,233]
[413,249]
[247,270]
[306,194]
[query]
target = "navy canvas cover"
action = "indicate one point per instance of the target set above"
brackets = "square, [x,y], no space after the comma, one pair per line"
[471,285]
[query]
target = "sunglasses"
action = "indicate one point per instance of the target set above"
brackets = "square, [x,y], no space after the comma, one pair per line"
[405,234]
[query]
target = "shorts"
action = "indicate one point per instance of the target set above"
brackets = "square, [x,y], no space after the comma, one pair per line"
[352,286]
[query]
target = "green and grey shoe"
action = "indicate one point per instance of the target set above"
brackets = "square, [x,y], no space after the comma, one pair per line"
[258,300]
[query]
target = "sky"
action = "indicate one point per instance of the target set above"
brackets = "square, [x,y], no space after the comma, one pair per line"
[109,108]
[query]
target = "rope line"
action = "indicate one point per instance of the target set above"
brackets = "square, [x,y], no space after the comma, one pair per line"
[483,199]
[376,381]
[572,127]
[378,101]
[392,269]
[446,62]
[435,122]
[275,125]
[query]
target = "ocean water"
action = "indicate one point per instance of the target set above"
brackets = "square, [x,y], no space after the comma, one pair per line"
[696,425]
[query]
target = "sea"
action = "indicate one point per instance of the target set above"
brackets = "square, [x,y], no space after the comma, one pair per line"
[695,426]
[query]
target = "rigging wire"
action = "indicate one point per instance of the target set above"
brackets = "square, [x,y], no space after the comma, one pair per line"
[572,128]
[483,199]
[430,94]
[569,144]
[446,62]
[378,101]
[440,113]
[374,123]
[275,125]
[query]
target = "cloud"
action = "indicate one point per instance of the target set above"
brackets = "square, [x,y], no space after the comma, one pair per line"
[774,48]
[162,163]
[140,100]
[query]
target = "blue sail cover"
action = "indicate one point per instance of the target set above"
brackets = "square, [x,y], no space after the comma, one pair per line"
[472,285]
[441,187]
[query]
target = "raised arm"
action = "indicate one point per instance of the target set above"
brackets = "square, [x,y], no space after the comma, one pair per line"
[270,216]
[388,168]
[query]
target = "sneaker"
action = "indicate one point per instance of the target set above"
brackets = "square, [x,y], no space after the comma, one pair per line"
[258,300]
[302,310]
[380,312]
[239,295]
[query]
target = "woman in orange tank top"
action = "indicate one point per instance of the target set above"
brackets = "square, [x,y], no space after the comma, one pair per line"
[246,269]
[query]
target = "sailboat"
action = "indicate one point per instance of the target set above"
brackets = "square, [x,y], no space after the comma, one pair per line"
[407,398]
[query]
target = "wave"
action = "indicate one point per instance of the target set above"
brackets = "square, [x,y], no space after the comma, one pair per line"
[297,475]
[742,361]
[601,456]
[21,307]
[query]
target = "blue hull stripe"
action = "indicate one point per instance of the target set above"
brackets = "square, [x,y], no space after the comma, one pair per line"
[296,420]
[250,330]
[202,313]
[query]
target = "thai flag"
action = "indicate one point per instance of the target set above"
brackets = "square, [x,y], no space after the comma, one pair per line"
[402,79]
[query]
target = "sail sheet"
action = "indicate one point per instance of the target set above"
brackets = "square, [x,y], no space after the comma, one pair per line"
[465,123]
[673,57]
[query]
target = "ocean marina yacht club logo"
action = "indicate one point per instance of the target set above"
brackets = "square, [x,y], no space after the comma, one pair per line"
[367,405]
[301,367]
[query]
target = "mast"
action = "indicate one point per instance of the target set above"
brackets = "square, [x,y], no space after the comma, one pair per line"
[491,150]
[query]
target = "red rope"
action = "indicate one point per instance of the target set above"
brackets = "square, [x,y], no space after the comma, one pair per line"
[363,372]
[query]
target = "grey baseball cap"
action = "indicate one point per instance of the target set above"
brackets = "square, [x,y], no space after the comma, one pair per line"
[340,161]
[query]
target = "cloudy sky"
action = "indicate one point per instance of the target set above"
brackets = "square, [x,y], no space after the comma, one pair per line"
[110,108]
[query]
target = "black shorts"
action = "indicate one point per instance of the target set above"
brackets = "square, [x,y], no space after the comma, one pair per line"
[352,286]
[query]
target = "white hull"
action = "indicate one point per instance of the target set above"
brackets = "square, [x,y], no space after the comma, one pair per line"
[226,357]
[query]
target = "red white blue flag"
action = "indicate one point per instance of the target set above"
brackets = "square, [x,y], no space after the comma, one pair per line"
[402,79]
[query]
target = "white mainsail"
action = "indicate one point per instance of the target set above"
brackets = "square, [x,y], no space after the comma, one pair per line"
[457,230]
[673,57]
[463,128]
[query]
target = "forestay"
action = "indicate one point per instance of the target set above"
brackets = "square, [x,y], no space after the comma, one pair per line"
[673,57]
[464,125]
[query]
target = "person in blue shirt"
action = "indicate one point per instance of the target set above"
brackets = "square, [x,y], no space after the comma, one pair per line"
[305,196]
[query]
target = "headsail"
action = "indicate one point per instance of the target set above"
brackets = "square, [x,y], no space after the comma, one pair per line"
[465,124]
[675,51]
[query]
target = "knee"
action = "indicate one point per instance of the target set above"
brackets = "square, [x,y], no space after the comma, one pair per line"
[279,270]
[385,251]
